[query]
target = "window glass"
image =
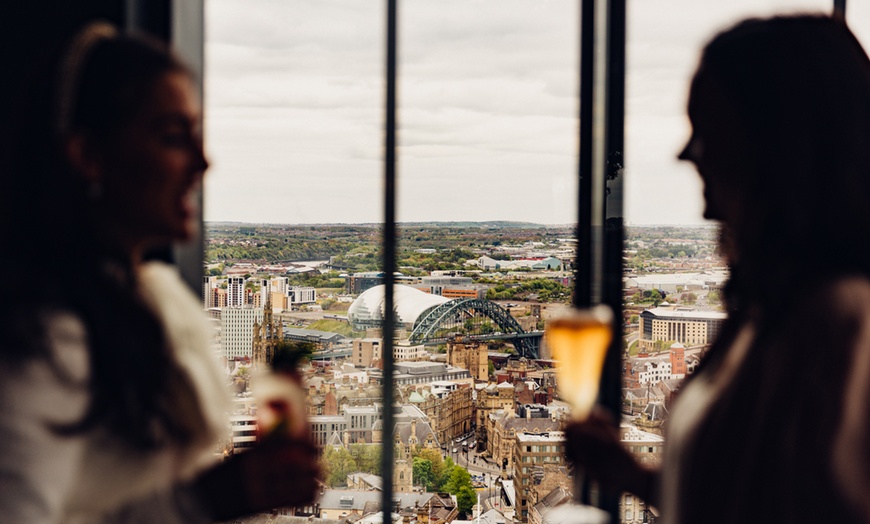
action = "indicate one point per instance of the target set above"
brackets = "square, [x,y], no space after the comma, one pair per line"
[294,131]
[487,202]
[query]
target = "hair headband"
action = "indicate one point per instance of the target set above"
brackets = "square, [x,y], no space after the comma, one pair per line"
[70,69]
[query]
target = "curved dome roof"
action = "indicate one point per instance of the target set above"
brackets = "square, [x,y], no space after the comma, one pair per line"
[410,304]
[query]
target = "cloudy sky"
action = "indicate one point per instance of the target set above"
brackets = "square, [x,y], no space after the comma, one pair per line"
[487,105]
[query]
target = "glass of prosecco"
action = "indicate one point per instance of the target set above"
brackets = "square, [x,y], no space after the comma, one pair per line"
[578,341]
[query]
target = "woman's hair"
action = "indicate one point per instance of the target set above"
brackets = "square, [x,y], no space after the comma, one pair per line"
[802,88]
[54,258]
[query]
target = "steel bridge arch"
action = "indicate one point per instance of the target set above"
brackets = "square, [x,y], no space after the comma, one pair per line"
[434,317]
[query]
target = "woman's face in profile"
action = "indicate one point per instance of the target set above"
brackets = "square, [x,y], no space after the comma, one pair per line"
[156,164]
[718,147]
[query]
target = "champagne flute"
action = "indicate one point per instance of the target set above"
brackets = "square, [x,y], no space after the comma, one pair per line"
[579,342]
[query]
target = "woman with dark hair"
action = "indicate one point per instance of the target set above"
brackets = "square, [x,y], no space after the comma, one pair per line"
[111,404]
[775,425]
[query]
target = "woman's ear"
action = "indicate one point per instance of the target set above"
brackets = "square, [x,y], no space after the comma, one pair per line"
[82,156]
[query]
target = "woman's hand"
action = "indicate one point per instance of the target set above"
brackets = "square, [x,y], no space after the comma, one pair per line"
[594,447]
[280,471]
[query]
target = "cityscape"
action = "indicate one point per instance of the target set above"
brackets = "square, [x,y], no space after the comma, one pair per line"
[478,416]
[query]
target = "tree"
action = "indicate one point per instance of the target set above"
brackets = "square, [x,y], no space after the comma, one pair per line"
[423,473]
[337,464]
[490,368]
[459,477]
[368,458]
[465,499]
[714,298]
[440,469]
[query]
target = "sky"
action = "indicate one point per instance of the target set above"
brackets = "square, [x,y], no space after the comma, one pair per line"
[294,96]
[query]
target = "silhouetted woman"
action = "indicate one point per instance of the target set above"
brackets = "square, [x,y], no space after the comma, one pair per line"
[775,426]
[110,403]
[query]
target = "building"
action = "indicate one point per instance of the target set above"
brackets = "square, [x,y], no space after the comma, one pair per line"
[453,287]
[503,428]
[362,282]
[244,430]
[298,295]
[341,504]
[353,425]
[237,331]
[209,284]
[678,282]
[367,311]
[365,350]
[323,339]
[428,372]
[235,291]
[492,398]
[447,405]
[531,453]
[647,449]
[539,506]
[688,326]
[469,355]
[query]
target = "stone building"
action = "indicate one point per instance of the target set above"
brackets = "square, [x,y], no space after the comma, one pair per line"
[469,355]
[490,399]
[647,449]
[531,452]
[687,326]
[503,428]
[543,499]
[447,405]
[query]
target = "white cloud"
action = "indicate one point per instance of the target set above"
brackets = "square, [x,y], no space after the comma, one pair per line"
[294,97]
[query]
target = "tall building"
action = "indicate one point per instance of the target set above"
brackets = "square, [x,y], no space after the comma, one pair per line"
[531,452]
[237,331]
[209,284]
[235,291]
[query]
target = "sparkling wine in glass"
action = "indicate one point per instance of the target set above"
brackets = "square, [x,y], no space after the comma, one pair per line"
[579,342]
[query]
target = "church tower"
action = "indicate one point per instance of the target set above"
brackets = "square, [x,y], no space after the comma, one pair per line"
[267,335]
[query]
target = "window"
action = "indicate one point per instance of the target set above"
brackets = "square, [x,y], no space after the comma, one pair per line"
[344,168]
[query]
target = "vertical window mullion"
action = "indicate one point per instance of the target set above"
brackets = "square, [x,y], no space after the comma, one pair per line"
[389,261]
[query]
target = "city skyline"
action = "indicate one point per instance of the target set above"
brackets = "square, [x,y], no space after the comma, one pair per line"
[487,109]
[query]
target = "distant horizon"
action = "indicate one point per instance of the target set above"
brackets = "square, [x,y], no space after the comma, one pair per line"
[513,223]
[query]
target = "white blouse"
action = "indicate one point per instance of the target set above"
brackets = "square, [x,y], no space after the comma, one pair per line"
[94,477]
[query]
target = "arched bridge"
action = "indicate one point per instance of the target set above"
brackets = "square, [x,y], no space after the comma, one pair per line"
[476,318]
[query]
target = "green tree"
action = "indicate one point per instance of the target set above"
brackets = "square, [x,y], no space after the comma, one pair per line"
[367,457]
[490,368]
[337,465]
[423,473]
[440,469]
[465,499]
[459,477]
[714,298]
